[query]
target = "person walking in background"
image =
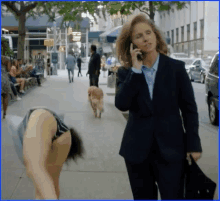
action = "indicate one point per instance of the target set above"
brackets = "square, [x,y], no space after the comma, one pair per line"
[44,143]
[154,88]
[103,65]
[79,62]
[94,67]
[48,65]
[70,62]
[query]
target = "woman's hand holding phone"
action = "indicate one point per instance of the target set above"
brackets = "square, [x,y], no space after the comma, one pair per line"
[137,63]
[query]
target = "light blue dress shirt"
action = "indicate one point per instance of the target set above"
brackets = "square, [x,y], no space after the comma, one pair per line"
[149,73]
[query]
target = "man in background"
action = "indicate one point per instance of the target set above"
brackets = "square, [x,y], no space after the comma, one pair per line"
[70,62]
[94,67]
[79,61]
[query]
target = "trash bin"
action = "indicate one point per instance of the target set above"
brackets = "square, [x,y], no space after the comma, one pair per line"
[111,80]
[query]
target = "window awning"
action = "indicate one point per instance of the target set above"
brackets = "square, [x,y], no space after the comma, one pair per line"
[112,34]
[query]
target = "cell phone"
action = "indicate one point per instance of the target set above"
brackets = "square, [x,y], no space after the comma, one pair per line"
[139,56]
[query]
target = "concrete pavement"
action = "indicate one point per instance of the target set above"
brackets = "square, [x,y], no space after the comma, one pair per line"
[102,174]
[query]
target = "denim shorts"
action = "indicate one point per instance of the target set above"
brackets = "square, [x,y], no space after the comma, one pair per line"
[13,79]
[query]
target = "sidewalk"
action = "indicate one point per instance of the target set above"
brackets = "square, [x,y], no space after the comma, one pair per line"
[102,174]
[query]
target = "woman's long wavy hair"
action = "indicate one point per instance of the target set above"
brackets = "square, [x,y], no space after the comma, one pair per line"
[77,149]
[125,39]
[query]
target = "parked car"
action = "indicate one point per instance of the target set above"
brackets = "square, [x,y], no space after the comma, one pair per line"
[211,85]
[196,69]
[207,61]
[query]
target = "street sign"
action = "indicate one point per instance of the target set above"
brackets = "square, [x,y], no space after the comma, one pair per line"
[76,36]
[54,57]
[49,42]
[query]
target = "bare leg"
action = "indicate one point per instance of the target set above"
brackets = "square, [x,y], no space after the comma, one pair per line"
[21,82]
[5,104]
[54,172]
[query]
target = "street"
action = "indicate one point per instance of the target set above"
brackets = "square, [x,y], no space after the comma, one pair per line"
[102,174]
[209,137]
[199,90]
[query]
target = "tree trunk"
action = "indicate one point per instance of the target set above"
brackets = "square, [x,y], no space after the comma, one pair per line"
[21,36]
[151,10]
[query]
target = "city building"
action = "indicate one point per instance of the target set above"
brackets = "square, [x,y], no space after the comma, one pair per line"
[37,30]
[193,30]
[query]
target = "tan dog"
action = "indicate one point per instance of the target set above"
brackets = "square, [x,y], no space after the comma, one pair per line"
[95,96]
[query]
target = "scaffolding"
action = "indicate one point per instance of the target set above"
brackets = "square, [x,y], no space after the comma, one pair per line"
[61,38]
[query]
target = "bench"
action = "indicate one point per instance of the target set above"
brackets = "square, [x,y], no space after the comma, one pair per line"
[41,75]
[28,82]
[16,84]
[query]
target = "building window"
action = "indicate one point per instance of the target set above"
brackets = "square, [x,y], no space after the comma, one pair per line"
[188,32]
[172,36]
[182,34]
[177,35]
[202,28]
[168,34]
[195,30]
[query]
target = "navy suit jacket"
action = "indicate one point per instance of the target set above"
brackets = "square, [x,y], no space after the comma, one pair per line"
[171,116]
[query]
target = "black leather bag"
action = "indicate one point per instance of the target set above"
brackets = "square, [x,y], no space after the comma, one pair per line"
[197,185]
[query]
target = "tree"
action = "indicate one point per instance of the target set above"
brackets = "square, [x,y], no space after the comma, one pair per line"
[5,49]
[127,7]
[21,15]
[71,11]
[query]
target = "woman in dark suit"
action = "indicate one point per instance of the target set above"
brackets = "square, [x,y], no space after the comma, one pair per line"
[154,88]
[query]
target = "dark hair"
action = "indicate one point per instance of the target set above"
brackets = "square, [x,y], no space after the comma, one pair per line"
[19,59]
[76,150]
[124,40]
[15,63]
[93,48]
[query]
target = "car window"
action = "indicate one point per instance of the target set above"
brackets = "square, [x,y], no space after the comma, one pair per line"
[196,62]
[214,65]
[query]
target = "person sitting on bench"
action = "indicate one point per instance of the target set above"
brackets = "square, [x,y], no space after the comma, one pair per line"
[13,73]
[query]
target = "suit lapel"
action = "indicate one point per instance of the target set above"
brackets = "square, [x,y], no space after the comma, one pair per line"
[160,77]
[146,93]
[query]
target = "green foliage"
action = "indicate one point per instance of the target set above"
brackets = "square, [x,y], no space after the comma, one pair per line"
[127,7]
[5,49]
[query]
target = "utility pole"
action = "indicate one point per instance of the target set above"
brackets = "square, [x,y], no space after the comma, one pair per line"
[87,44]
[66,44]
[55,48]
